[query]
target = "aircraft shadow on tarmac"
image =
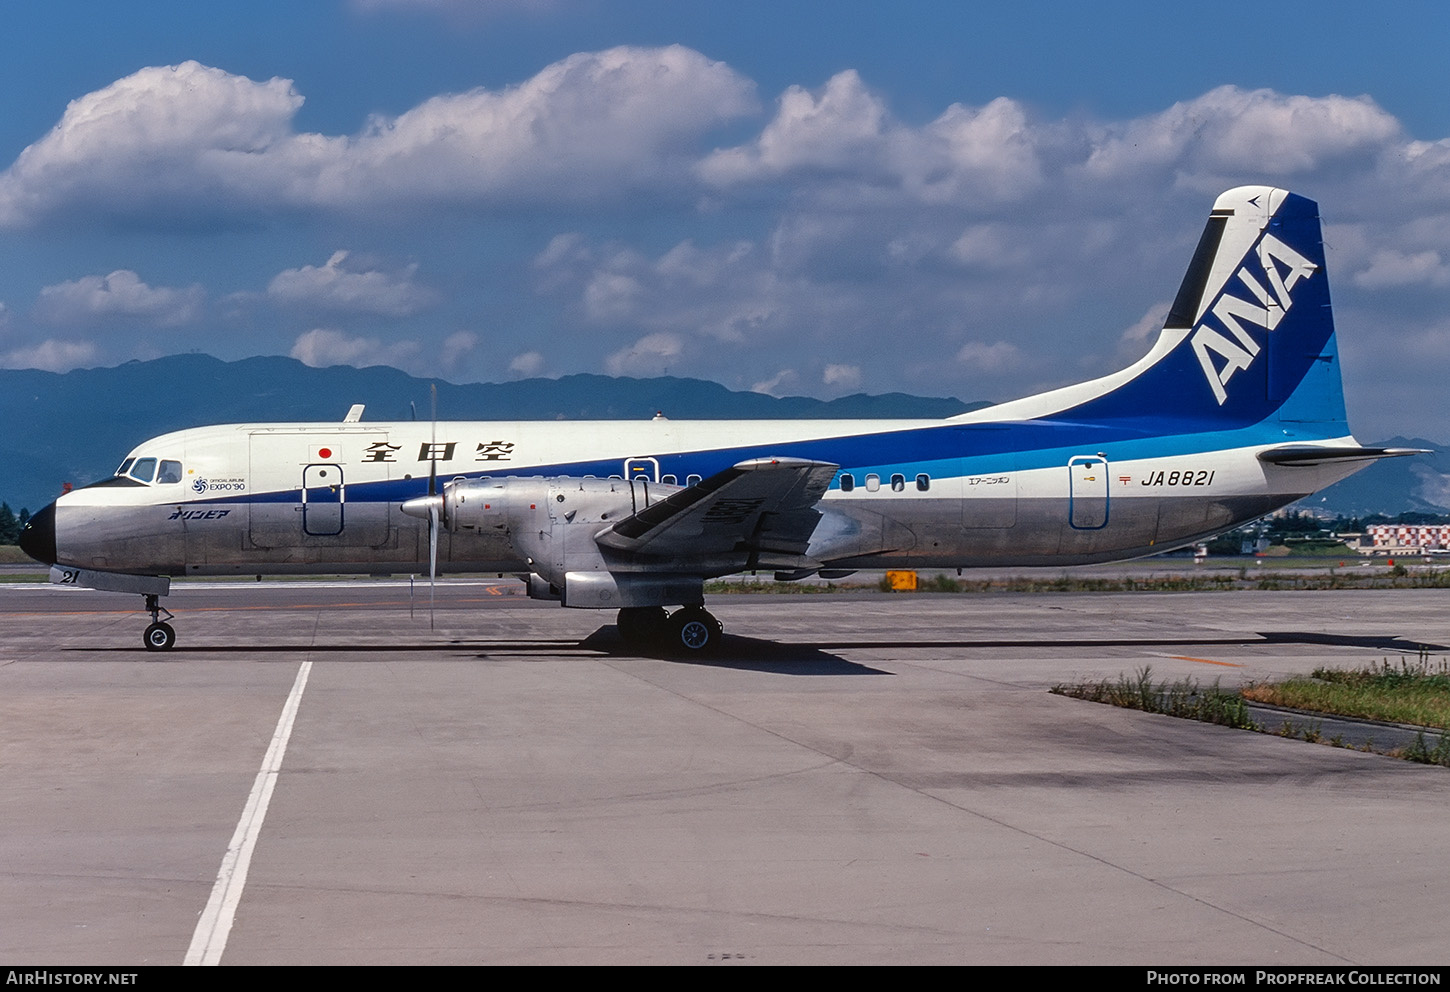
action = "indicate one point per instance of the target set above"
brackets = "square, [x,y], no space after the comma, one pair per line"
[745,653]
[790,658]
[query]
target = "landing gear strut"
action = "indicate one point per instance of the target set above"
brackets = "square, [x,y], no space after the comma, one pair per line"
[159,636]
[690,630]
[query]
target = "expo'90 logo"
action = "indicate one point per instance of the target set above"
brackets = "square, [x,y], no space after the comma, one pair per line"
[218,485]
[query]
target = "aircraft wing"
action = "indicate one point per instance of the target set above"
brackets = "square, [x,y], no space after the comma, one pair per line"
[759,506]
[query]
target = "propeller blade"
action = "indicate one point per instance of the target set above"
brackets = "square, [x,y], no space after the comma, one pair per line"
[433,502]
[432,556]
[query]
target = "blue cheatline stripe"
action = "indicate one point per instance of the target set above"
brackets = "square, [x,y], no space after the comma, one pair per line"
[940,451]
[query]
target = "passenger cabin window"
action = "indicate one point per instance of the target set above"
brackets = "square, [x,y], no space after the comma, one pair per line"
[691,479]
[144,470]
[923,482]
[169,472]
[873,482]
[898,483]
[848,482]
[669,480]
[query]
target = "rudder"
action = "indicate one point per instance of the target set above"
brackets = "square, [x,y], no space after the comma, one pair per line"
[1250,335]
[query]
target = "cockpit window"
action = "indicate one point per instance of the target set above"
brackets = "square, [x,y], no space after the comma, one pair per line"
[125,466]
[144,469]
[170,471]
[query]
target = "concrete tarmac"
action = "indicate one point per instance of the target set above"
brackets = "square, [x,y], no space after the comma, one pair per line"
[857,778]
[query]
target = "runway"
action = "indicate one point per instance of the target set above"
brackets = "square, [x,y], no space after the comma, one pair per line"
[857,778]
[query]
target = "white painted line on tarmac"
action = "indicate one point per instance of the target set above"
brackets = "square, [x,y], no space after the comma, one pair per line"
[210,938]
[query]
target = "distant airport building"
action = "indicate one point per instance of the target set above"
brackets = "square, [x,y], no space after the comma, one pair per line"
[1408,538]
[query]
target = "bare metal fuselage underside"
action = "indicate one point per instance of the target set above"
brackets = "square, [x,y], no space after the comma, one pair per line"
[244,538]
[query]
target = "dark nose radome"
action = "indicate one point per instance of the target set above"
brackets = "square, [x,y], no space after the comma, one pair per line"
[38,538]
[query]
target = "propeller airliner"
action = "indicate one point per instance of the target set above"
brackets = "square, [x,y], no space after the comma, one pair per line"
[1236,411]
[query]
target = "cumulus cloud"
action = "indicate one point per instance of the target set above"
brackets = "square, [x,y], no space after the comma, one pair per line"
[777,384]
[322,347]
[92,299]
[611,296]
[990,246]
[1148,325]
[650,355]
[843,139]
[842,376]
[52,356]
[1390,268]
[1432,486]
[846,131]
[843,127]
[199,139]
[731,292]
[527,364]
[1230,131]
[456,347]
[881,242]
[999,356]
[336,286]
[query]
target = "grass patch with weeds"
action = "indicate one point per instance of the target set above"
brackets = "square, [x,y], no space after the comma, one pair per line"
[1184,698]
[10,554]
[1216,580]
[716,586]
[1414,692]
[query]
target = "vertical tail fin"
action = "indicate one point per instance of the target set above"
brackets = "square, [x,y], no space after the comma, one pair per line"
[1250,336]
[1255,305]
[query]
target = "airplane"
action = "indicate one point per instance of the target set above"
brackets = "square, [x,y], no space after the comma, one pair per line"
[1236,411]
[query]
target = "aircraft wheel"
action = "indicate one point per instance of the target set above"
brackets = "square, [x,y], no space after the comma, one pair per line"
[641,624]
[694,631]
[159,637]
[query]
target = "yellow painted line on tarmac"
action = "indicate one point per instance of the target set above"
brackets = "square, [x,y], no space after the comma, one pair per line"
[1206,661]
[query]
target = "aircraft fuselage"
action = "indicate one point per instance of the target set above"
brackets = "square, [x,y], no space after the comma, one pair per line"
[326,497]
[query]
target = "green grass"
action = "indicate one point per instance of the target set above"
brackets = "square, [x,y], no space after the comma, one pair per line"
[10,554]
[1184,698]
[716,586]
[1413,692]
[1207,580]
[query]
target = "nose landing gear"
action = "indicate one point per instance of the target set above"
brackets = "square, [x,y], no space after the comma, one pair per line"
[160,636]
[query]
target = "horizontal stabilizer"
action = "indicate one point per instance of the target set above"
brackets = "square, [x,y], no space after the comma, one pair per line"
[760,505]
[1308,455]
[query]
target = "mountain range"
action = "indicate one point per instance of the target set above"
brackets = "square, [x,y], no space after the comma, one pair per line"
[76,426]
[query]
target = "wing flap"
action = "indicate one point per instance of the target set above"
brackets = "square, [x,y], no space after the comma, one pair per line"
[763,505]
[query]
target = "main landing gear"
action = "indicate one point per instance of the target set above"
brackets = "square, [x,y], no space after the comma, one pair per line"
[159,636]
[690,630]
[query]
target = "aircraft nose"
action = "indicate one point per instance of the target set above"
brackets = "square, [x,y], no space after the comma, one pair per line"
[38,538]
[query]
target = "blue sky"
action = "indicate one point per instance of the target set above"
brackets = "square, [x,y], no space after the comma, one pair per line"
[800,198]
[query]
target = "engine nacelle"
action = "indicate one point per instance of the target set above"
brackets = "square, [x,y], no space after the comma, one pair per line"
[493,504]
